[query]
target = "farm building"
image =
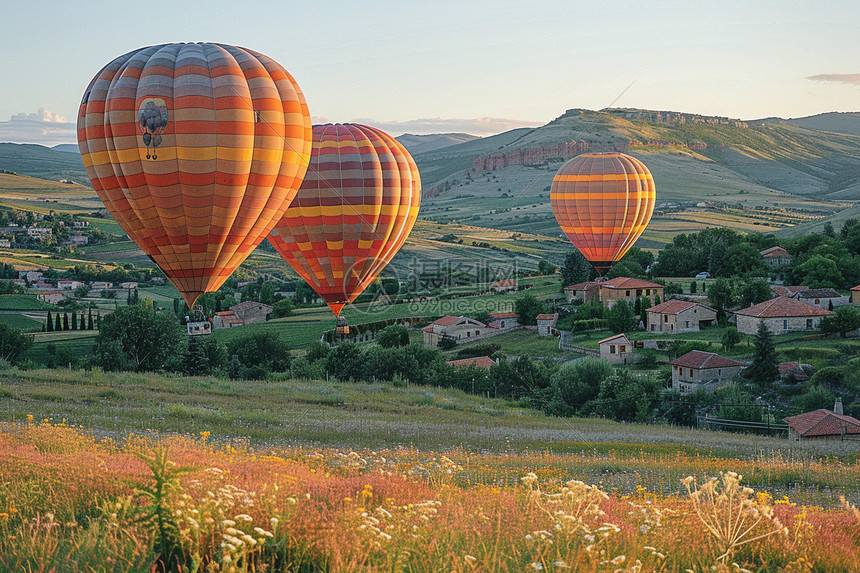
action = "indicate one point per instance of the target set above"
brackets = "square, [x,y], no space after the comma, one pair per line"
[458,328]
[51,296]
[624,288]
[546,323]
[680,316]
[781,315]
[68,284]
[582,292]
[226,319]
[823,424]
[821,297]
[793,372]
[250,312]
[784,290]
[479,361]
[617,349]
[855,295]
[699,370]
[506,285]
[507,320]
[776,257]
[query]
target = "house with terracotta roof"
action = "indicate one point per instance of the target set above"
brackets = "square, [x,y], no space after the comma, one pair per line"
[784,290]
[821,297]
[461,329]
[699,370]
[478,361]
[793,372]
[776,257]
[504,320]
[582,292]
[823,424]
[677,315]
[781,315]
[855,295]
[546,323]
[226,319]
[506,285]
[617,349]
[624,288]
[250,312]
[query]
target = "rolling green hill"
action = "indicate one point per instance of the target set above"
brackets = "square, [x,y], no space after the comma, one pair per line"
[42,162]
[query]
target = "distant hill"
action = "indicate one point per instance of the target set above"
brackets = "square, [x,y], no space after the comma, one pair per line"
[42,162]
[848,122]
[421,143]
[67,147]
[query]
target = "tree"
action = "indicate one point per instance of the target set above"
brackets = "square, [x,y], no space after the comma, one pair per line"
[620,317]
[626,268]
[50,322]
[764,368]
[90,319]
[74,321]
[57,326]
[344,361]
[267,292]
[815,398]
[282,308]
[754,291]
[576,269]
[262,350]
[546,268]
[527,308]
[13,342]
[195,362]
[393,336]
[828,230]
[721,294]
[694,286]
[738,404]
[846,319]
[731,338]
[819,272]
[146,339]
[576,383]
[65,321]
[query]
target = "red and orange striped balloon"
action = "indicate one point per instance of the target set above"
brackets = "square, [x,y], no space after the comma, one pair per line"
[353,212]
[603,202]
[196,150]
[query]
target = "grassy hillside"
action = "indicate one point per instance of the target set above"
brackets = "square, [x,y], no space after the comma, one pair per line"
[42,162]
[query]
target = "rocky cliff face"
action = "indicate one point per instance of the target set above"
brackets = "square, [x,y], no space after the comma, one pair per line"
[530,155]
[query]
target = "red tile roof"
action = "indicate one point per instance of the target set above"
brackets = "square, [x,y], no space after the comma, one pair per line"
[856,288]
[786,368]
[782,306]
[504,283]
[480,362]
[588,285]
[622,336]
[823,423]
[783,290]
[627,282]
[675,305]
[446,320]
[501,315]
[775,252]
[553,316]
[700,360]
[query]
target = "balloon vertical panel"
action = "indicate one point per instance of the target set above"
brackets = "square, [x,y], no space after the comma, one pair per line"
[196,150]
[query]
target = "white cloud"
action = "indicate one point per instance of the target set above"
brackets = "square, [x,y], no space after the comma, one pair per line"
[43,127]
[481,126]
[851,79]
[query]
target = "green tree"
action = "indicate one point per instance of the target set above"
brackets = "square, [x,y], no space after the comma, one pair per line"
[620,317]
[575,384]
[262,350]
[49,322]
[846,319]
[576,269]
[626,268]
[267,292]
[393,336]
[754,291]
[282,308]
[694,286]
[546,268]
[721,294]
[820,272]
[195,361]
[527,308]
[74,321]
[13,343]
[815,398]
[57,326]
[344,361]
[731,338]
[65,321]
[737,404]
[764,368]
[146,339]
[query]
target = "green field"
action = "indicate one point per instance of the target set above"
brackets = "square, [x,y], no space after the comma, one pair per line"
[23,302]
[21,322]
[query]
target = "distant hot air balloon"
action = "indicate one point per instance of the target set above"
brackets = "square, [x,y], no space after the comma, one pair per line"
[603,202]
[353,212]
[196,150]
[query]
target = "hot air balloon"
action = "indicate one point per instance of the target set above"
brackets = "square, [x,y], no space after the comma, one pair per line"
[353,212]
[603,202]
[196,150]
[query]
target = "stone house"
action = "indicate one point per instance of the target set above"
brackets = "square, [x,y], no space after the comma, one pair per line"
[793,372]
[617,349]
[699,370]
[250,312]
[506,285]
[546,324]
[855,295]
[624,288]
[680,316]
[821,297]
[784,290]
[582,292]
[504,320]
[461,329]
[226,319]
[781,315]
[51,296]
[65,284]
[823,424]
[101,285]
[776,257]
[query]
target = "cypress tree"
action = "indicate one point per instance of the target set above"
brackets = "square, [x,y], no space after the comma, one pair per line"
[57,326]
[74,321]
[65,321]
[90,319]
[50,323]
[765,366]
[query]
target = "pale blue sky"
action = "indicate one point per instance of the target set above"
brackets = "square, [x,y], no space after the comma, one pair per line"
[392,63]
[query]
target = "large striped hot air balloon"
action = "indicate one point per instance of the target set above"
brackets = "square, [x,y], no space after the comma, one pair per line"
[353,212]
[196,150]
[603,202]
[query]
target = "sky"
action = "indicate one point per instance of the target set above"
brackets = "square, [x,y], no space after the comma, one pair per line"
[456,65]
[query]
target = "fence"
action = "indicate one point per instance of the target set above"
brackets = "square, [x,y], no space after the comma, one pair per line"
[705,422]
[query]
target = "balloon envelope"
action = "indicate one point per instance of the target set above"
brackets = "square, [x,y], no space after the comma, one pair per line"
[353,212]
[603,202]
[196,150]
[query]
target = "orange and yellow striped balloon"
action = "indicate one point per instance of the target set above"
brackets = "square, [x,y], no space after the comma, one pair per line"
[353,212]
[196,150]
[603,202]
